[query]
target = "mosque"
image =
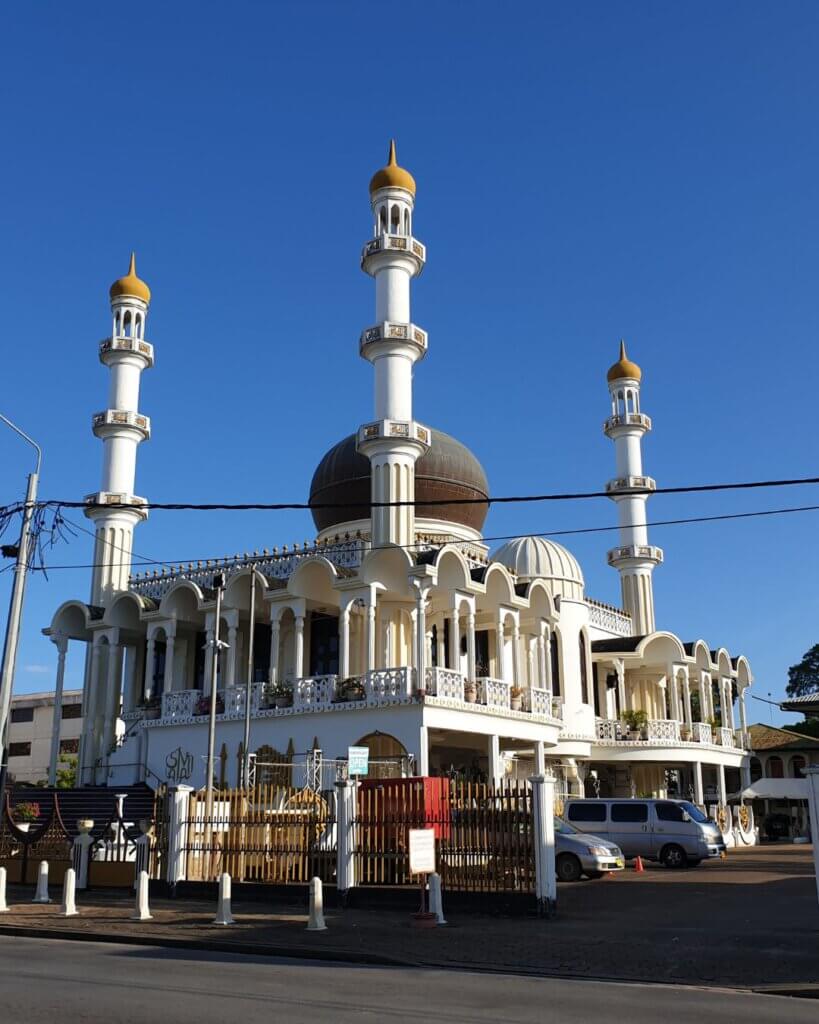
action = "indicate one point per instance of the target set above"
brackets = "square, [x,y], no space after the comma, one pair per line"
[397,629]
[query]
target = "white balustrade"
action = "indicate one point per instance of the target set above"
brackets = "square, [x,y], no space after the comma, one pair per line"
[494,693]
[541,702]
[314,692]
[557,708]
[725,737]
[664,729]
[608,729]
[701,732]
[443,682]
[388,684]
[180,705]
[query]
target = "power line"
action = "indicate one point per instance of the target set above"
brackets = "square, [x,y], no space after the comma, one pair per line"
[500,537]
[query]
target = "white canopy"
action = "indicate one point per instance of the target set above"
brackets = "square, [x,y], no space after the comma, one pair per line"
[777,789]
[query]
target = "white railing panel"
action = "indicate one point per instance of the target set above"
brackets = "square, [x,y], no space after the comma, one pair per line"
[494,693]
[540,702]
[725,737]
[443,682]
[314,691]
[608,729]
[664,729]
[701,733]
[179,705]
[388,684]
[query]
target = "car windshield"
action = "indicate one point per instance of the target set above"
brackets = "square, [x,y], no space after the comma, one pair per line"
[564,828]
[694,812]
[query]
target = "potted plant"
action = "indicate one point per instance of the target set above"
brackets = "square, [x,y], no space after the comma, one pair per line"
[25,814]
[470,691]
[515,698]
[152,707]
[685,733]
[203,705]
[351,688]
[636,722]
[281,695]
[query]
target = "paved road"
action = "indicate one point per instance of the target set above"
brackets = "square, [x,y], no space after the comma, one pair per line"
[43,980]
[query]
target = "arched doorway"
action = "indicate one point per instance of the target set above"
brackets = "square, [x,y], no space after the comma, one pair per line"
[388,757]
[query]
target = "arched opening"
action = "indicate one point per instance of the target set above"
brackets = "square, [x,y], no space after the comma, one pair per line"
[798,765]
[555,656]
[126,325]
[776,769]
[584,671]
[395,220]
[388,756]
[756,769]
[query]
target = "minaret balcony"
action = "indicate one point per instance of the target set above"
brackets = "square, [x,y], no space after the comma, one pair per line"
[131,346]
[375,251]
[117,421]
[99,501]
[614,424]
[395,431]
[630,553]
[631,485]
[391,332]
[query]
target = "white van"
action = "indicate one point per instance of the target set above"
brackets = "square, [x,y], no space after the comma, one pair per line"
[674,832]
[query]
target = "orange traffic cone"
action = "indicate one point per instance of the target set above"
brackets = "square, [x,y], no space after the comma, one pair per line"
[638,864]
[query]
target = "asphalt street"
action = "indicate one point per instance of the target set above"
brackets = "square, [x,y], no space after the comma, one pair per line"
[44,980]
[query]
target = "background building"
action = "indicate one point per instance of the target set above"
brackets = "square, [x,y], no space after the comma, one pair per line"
[35,736]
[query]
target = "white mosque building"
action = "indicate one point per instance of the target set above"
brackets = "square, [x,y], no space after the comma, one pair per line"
[397,629]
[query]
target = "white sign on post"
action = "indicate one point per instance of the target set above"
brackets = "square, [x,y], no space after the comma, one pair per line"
[422,851]
[358,760]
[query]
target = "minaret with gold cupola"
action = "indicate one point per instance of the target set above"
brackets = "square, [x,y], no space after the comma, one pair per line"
[115,509]
[634,558]
[393,441]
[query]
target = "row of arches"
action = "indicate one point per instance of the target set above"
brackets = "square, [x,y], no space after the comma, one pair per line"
[128,324]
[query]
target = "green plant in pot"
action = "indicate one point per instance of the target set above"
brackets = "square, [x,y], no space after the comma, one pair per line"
[25,814]
[636,722]
[515,698]
[281,695]
[351,688]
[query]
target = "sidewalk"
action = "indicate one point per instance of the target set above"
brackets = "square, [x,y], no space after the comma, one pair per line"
[748,922]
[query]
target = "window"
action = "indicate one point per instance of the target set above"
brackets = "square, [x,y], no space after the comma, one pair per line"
[798,766]
[71,711]
[555,646]
[756,769]
[776,769]
[19,749]
[632,811]
[584,672]
[22,714]
[587,812]
[69,746]
[669,812]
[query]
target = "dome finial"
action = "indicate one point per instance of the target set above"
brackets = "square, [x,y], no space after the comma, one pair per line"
[130,286]
[624,367]
[392,176]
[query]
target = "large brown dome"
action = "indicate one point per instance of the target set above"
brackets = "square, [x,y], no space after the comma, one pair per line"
[447,472]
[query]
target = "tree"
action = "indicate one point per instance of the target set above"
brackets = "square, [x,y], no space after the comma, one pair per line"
[810,727]
[804,677]
[67,772]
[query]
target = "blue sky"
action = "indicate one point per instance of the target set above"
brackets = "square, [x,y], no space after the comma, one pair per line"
[585,172]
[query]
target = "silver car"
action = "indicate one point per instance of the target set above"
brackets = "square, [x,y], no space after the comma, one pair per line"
[578,853]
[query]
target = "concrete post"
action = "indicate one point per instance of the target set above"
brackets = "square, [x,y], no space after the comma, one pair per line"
[142,858]
[423,750]
[493,755]
[81,853]
[543,795]
[69,904]
[223,911]
[345,835]
[812,777]
[177,828]
[4,907]
[436,901]
[315,921]
[41,894]
[540,757]
[142,911]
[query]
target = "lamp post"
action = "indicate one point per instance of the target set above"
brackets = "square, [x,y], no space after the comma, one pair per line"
[18,590]
[249,683]
[218,586]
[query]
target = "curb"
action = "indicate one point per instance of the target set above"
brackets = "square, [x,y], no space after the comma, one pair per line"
[213,946]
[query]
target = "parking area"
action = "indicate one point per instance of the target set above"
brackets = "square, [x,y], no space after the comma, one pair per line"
[749,921]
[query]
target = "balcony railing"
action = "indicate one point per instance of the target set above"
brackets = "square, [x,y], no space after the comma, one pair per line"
[444,682]
[667,729]
[725,737]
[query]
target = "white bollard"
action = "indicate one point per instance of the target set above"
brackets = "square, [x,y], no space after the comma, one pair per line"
[142,912]
[316,921]
[436,901]
[223,914]
[4,907]
[41,895]
[69,906]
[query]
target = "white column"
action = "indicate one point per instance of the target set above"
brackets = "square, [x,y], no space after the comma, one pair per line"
[62,649]
[167,681]
[275,627]
[298,638]
[149,667]
[543,679]
[423,751]
[455,641]
[230,667]
[543,803]
[208,680]
[699,798]
[421,639]
[371,637]
[500,658]
[493,756]
[723,794]
[470,645]
[687,699]
[540,757]
[516,673]
[743,720]
[87,751]
[345,830]
[344,642]
[177,833]
[112,687]
[129,697]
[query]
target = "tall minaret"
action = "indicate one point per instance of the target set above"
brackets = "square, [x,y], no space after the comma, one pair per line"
[121,427]
[635,558]
[394,441]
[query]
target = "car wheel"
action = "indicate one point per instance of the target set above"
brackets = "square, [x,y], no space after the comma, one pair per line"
[673,856]
[594,874]
[568,867]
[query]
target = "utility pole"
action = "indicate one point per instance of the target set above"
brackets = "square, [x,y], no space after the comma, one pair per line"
[218,586]
[249,684]
[12,639]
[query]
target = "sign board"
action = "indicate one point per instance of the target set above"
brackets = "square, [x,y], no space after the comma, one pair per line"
[358,759]
[422,851]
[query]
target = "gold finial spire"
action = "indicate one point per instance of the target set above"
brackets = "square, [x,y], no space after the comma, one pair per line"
[130,285]
[392,176]
[624,367]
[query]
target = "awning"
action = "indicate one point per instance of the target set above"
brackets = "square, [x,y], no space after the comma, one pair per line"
[777,789]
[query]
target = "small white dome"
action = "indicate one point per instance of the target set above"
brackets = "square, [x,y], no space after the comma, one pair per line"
[535,558]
